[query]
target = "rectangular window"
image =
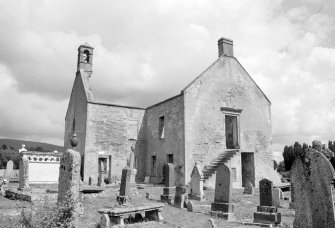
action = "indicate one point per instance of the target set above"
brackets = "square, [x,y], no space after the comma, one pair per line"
[153,165]
[161,127]
[170,158]
[231,132]
[74,125]
[233,174]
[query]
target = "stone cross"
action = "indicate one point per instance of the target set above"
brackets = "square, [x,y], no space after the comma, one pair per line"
[222,206]
[24,174]
[197,183]
[68,183]
[122,198]
[311,176]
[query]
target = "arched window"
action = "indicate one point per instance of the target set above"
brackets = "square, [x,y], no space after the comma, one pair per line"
[86,56]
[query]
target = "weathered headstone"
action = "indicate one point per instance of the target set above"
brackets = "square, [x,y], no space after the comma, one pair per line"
[9,172]
[222,206]
[24,174]
[312,175]
[146,179]
[249,189]
[277,196]
[169,181]
[180,197]
[132,166]
[68,184]
[197,184]
[266,211]
[101,179]
[122,198]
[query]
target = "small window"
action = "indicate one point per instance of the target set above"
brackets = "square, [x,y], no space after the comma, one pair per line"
[170,158]
[153,165]
[74,125]
[233,174]
[231,132]
[161,127]
[86,56]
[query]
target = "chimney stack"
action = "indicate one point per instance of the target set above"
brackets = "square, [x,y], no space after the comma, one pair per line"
[225,47]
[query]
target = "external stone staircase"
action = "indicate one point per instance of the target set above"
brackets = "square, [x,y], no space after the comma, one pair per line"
[210,169]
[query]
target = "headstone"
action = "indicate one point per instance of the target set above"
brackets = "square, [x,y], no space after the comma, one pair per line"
[68,183]
[169,181]
[311,176]
[132,167]
[249,189]
[24,174]
[9,173]
[146,179]
[180,197]
[277,195]
[266,211]
[122,198]
[102,172]
[197,184]
[222,206]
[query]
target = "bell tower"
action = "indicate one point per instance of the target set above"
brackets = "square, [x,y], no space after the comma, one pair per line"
[85,57]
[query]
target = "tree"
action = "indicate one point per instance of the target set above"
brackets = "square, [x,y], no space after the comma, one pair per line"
[4,147]
[281,167]
[275,164]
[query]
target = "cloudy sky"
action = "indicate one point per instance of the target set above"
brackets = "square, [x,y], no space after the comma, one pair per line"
[146,51]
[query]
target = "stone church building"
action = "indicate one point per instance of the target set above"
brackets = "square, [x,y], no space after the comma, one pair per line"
[222,116]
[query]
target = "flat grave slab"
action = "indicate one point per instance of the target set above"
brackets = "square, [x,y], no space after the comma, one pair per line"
[120,215]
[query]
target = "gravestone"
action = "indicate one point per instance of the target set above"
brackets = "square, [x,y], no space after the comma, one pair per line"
[146,179]
[266,211]
[197,184]
[180,197]
[24,174]
[311,176]
[132,166]
[68,184]
[222,206]
[277,195]
[249,189]
[9,172]
[102,172]
[122,198]
[169,181]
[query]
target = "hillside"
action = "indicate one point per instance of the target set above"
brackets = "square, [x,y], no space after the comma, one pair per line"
[16,144]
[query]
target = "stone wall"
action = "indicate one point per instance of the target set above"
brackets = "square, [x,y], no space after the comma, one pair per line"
[111,130]
[226,84]
[173,141]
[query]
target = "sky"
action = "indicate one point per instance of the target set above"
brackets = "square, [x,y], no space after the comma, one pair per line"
[147,51]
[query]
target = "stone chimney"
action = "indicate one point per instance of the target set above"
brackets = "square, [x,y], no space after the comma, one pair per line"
[225,47]
[85,57]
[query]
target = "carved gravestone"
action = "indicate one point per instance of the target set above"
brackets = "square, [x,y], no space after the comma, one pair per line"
[249,189]
[24,174]
[311,176]
[169,181]
[222,206]
[180,197]
[266,211]
[197,184]
[122,198]
[68,184]
[9,172]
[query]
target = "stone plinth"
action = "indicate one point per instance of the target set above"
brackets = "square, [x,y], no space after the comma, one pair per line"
[180,197]
[197,184]
[168,194]
[169,181]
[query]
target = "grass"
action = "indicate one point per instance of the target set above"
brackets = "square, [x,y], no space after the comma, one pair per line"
[245,205]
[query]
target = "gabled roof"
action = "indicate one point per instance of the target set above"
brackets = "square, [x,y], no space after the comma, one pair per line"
[224,56]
